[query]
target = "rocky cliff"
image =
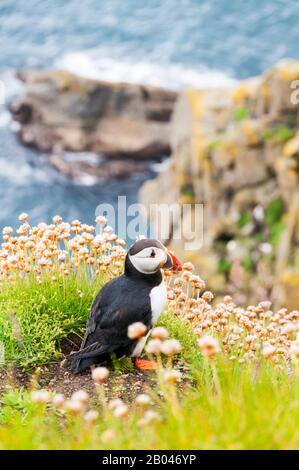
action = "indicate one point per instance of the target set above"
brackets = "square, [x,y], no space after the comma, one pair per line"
[62,111]
[237,152]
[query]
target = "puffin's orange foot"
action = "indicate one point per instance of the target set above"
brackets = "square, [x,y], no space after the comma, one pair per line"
[144,364]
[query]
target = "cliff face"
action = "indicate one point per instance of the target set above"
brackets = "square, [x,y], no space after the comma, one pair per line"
[61,110]
[237,152]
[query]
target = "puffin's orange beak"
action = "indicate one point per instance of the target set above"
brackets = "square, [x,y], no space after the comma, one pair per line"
[172,262]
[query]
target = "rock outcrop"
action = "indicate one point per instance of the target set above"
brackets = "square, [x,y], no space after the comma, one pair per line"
[62,111]
[237,152]
[93,169]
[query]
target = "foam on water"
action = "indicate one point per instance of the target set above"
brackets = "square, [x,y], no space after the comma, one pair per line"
[11,86]
[20,172]
[98,64]
[169,43]
[29,184]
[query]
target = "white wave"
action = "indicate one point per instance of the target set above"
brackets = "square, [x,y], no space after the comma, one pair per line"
[158,167]
[100,66]
[10,87]
[86,180]
[20,173]
[5,118]
[11,84]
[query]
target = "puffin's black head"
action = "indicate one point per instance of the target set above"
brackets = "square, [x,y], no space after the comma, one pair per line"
[148,256]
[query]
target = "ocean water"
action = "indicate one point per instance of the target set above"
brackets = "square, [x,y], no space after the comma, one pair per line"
[171,43]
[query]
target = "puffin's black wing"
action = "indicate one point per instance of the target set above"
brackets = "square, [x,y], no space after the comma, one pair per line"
[120,303]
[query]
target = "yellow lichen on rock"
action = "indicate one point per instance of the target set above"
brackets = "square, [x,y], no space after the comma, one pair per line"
[229,153]
[251,132]
[195,99]
[244,92]
[288,69]
[291,148]
[289,289]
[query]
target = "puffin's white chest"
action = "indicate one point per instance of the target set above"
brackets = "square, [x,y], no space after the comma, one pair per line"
[158,298]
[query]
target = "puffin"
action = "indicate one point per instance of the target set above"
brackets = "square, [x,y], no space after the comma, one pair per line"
[138,295]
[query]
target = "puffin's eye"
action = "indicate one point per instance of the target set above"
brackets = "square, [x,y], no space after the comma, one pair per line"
[153,254]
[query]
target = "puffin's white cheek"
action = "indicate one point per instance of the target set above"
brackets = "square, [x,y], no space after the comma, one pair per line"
[147,265]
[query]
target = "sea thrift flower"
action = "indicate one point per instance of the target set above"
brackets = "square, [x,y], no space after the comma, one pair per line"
[159,333]
[108,436]
[149,417]
[62,257]
[265,305]
[23,217]
[143,399]
[289,328]
[80,396]
[182,297]
[74,407]
[40,396]
[172,376]
[76,223]
[13,260]
[22,230]
[7,231]
[268,350]
[178,282]
[57,219]
[91,417]
[116,402]
[200,284]
[101,220]
[58,400]
[241,330]
[209,346]
[170,347]
[43,262]
[100,374]
[186,275]
[42,227]
[208,296]
[136,330]
[153,346]
[170,295]
[121,411]
[294,349]
[188,266]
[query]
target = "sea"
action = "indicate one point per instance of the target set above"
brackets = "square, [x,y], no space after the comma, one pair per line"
[169,43]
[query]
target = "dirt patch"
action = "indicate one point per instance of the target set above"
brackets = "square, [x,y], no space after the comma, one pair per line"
[58,377]
[13,378]
[124,384]
[124,381]
[120,384]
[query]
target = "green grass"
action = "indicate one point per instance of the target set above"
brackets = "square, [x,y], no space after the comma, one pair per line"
[240,114]
[230,407]
[244,219]
[279,134]
[35,319]
[273,218]
[224,266]
[221,404]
